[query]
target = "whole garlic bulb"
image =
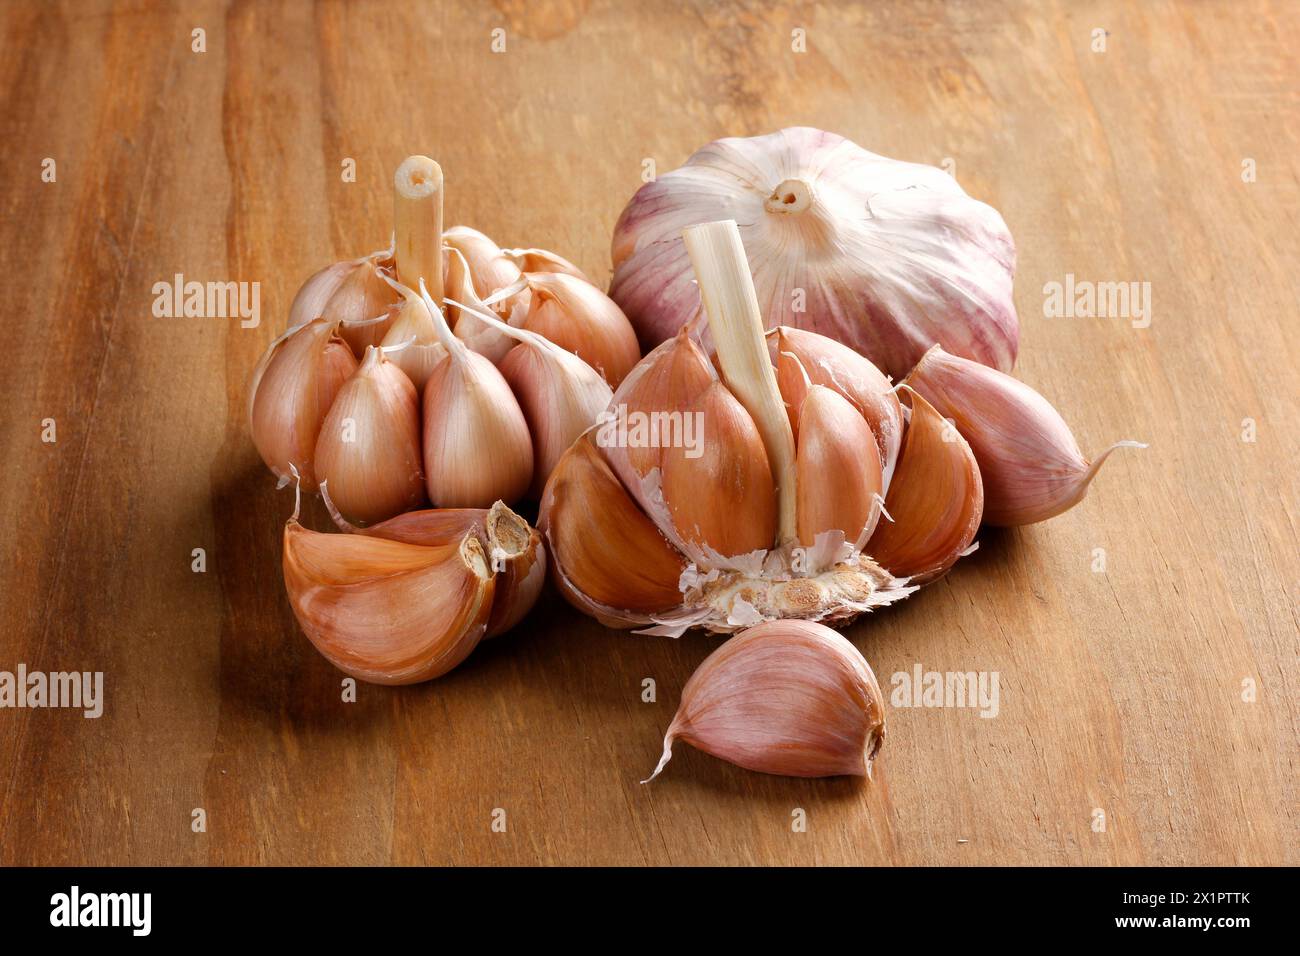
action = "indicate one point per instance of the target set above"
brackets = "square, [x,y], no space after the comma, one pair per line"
[786,697]
[483,438]
[887,257]
[778,506]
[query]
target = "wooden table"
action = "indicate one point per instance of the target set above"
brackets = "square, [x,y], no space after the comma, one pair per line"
[1125,694]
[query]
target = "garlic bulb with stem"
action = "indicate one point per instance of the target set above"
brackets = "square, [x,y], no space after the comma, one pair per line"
[1031,465]
[637,538]
[785,697]
[887,257]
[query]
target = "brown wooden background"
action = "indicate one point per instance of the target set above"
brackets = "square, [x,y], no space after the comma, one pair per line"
[1120,691]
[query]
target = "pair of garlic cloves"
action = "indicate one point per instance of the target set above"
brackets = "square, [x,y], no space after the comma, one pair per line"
[786,697]
[409,599]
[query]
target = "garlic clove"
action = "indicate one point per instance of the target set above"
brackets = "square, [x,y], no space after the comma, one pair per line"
[355,294]
[411,342]
[369,443]
[785,697]
[476,443]
[516,553]
[670,378]
[386,611]
[607,557]
[543,260]
[514,549]
[888,257]
[935,501]
[560,395]
[826,362]
[472,330]
[838,470]
[738,514]
[292,389]
[581,319]
[490,268]
[1030,463]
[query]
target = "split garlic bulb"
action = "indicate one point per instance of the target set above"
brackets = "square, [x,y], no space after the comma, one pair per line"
[785,697]
[887,257]
[759,487]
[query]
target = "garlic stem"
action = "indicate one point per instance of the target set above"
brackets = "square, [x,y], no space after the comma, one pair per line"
[727,290]
[417,217]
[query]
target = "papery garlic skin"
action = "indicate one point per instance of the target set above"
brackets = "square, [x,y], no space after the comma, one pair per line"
[292,390]
[887,257]
[786,697]
[1030,463]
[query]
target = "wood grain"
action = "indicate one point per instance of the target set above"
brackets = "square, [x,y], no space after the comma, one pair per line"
[1120,691]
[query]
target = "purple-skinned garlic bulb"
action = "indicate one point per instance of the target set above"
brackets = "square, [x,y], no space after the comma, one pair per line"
[885,256]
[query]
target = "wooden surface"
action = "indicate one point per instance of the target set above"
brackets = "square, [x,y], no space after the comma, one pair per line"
[1120,691]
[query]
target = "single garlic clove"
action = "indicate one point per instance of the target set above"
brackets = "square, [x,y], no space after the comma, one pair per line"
[786,697]
[561,396]
[472,330]
[667,380]
[838,472]
[476,443]
[489,267]
[607,557]
[514,549]
[292,389]
[354,294]
[1031,465]
[581,319]
[935,501]
[369,444]
[386,611]
[738,514]
[411,342]
[888,257]
[826,362]
[543,260]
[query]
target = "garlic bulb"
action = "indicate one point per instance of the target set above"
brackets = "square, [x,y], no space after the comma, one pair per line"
[1030,463]
[884,256]
[723,497]
[474,446]
[369,444]
[409,600]
[785,697]
[292,389]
